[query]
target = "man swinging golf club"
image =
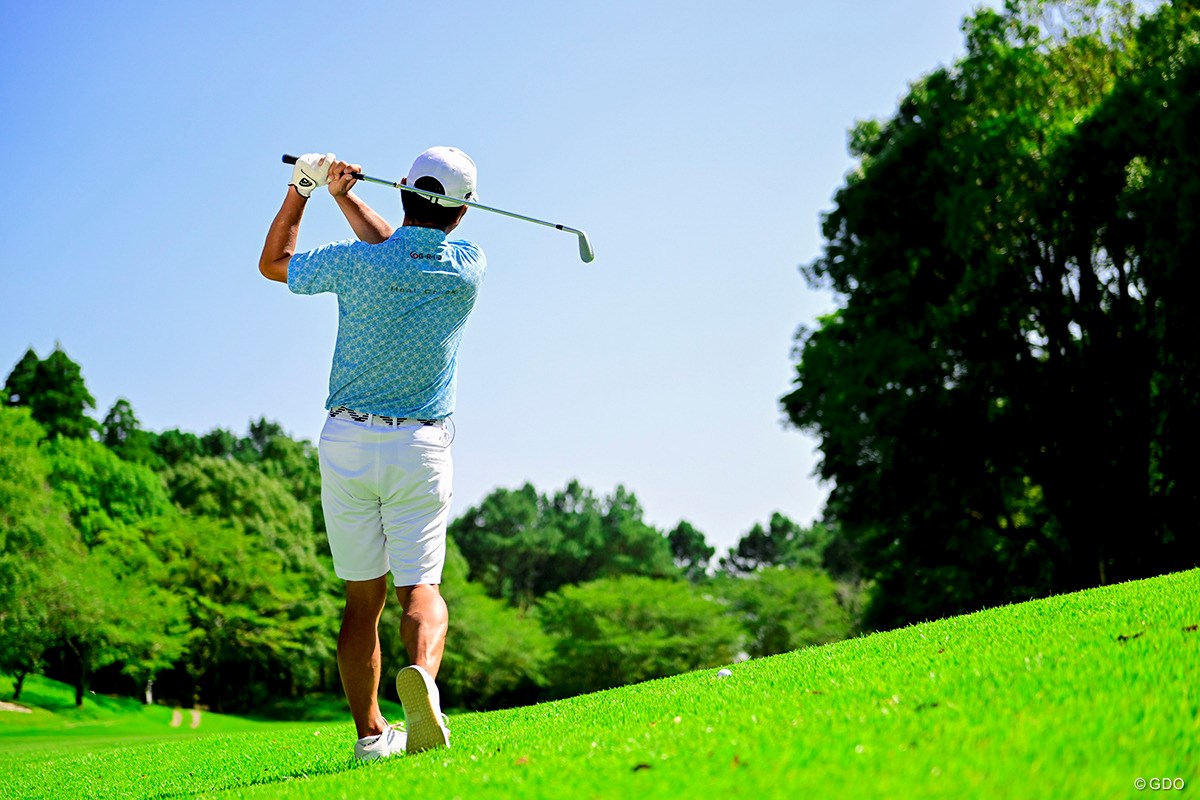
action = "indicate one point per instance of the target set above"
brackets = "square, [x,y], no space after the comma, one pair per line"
[404,296]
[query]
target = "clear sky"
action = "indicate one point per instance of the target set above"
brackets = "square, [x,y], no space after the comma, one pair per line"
[697,143]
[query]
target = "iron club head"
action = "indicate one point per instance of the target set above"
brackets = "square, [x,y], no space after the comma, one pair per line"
[585,248]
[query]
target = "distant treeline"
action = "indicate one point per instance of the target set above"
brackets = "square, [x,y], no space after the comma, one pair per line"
[1008,397]
[194,568]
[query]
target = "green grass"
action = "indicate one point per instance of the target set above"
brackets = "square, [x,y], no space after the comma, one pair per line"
[1073,696]
[55,724]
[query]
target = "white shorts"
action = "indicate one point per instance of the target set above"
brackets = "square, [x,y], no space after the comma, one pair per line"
[386,495]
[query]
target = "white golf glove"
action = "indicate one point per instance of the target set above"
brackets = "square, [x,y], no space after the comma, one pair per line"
[311,171]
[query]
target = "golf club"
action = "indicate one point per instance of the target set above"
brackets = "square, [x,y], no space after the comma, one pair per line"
[585,247]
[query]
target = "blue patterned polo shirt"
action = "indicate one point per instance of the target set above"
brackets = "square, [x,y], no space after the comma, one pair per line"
[402,307]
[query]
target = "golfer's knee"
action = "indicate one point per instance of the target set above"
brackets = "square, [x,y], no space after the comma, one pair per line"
[420,594]
[424,605]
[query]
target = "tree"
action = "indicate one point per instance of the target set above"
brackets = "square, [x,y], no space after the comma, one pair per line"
[631,628]
[1000,359]
[146,621]
[53,592]
[173,446]
[99,490]
[86,601]
[228,490]
[1129,194]
[631,545]
[263,435]
[521,545]
[219,443]
[786,608]
[292,463]
[782,543]
[24,476]
[115,603]
[35,542]
[20,385]
[690,550]
[27,629]
[504,544]
[257,587]
[122,433]
[54,390]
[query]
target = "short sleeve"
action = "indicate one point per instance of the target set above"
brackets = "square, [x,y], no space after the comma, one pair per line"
[319,270]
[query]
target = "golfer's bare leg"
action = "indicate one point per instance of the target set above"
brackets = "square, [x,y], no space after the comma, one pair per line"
[358,653]
[424,625]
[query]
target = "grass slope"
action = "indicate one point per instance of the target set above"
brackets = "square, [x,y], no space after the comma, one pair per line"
[1072,696]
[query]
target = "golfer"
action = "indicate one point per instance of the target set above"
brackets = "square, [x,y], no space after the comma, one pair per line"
[404,296]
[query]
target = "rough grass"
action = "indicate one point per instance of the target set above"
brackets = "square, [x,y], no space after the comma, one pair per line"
[1072,696]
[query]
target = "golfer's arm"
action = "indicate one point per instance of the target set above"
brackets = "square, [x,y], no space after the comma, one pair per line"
[281,238]
[367,225]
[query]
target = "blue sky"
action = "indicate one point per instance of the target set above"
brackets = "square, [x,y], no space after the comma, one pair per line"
[696,142]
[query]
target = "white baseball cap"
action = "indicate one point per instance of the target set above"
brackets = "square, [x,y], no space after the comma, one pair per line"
[450,167]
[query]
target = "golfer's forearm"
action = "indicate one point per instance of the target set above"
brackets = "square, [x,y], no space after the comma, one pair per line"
[367,225]
[281,238]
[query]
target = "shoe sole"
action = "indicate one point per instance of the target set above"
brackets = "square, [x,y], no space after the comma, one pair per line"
[425,731]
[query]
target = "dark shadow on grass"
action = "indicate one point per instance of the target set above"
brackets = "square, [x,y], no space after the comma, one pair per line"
[316,708]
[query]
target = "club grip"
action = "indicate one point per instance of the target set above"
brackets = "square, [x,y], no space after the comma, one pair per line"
[290,159]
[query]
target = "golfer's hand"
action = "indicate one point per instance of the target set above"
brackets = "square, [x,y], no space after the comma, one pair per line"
[341,178]
[311,171]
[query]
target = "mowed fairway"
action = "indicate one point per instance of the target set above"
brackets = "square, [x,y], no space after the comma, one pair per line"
[1072,696]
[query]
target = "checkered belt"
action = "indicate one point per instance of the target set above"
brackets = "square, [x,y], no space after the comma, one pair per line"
[359,416]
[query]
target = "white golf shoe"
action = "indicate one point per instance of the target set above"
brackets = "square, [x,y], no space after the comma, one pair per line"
[423,717]
[389,743]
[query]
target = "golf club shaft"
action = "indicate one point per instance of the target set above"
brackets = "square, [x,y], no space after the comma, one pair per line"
[585,247]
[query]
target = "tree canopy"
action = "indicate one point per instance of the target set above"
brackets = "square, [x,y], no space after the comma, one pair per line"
[521,545]
[1006,397]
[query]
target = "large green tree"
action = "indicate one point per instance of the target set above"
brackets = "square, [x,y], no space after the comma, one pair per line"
[1006,396]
